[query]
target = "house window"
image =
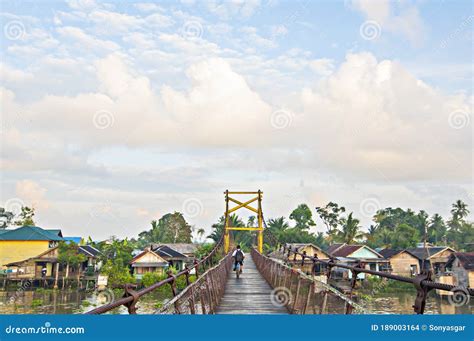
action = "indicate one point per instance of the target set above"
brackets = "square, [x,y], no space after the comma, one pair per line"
[52,244]
[413,269]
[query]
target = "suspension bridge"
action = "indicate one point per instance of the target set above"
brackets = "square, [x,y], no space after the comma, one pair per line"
[268,285]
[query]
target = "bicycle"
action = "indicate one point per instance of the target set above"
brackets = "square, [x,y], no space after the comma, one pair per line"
[238,270]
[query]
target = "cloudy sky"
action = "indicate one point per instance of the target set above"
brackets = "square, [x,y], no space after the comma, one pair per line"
[115,113]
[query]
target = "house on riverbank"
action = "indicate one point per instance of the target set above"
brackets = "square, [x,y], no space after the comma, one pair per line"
[147,261]
[461,265]
[402,262]
[295,259]
[26,242]
[46,265]
[432,257]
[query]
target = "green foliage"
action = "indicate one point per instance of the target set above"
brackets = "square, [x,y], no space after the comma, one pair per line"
[350,230]
[5,218]
[151,278]
[204,249]
[170,228]
[331,216]
[68,254]
[36,303]
[120,251]
[117,274]
[303,217]
[244,238]
[25,218]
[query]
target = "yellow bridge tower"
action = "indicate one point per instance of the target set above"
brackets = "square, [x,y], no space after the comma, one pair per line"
[246,205]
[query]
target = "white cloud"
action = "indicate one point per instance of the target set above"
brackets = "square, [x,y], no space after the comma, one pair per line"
[394,16]
[323,66]
[86,41]
[32,194]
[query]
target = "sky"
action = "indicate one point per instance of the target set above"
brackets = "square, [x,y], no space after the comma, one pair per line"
[116,113]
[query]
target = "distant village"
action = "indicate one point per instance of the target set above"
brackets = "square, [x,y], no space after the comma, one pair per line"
[33,253]
[47,258]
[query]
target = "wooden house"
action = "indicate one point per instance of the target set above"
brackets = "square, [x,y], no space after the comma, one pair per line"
[352,254]
[148,261]
[32,268]
[174,258]
[295,259]
[432,257]
[402,262]
[187,249]
[461,264]
[26,242]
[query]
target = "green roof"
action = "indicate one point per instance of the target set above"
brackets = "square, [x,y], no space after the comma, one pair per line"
[30,233]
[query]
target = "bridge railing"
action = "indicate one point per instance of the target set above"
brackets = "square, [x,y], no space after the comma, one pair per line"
[131,296]
[203,295]
[423,282]
[300,293]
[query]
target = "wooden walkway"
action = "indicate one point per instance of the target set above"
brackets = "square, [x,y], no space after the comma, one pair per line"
[250,294]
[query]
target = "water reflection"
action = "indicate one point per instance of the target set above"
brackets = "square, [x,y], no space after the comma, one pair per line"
[64,302]
[74,302]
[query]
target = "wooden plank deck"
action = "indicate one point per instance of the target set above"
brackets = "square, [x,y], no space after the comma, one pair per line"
[250,294]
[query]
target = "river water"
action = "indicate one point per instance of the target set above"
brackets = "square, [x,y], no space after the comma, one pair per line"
[76,302]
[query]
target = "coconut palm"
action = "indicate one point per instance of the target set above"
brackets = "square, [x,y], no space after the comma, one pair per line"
[350,230]
[459,210]
[200,233]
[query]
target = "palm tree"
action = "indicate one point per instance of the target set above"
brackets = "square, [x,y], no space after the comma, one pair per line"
[251,221]
[437,228]
[277,225]
[350,230]
[218,228]
[200,233]
[459,210]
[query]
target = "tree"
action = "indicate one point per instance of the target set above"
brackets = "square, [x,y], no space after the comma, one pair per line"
[350,230]
[331,216]
[405,236]
[200,233]
[251,221]
[119,251]
[437,229]
[459,210]
[170,228]
[176,229]
[277,226]
[303,217]
[5,218]
[69,255]
[25,217]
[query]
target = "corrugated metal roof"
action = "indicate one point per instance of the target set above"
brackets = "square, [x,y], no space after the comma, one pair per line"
[465,258]
[425,253]
[31,233]
[167,252]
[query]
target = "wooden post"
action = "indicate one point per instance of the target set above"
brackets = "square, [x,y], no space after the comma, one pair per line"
[56,276]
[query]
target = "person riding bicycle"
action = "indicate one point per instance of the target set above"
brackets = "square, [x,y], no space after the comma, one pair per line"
[239,257]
